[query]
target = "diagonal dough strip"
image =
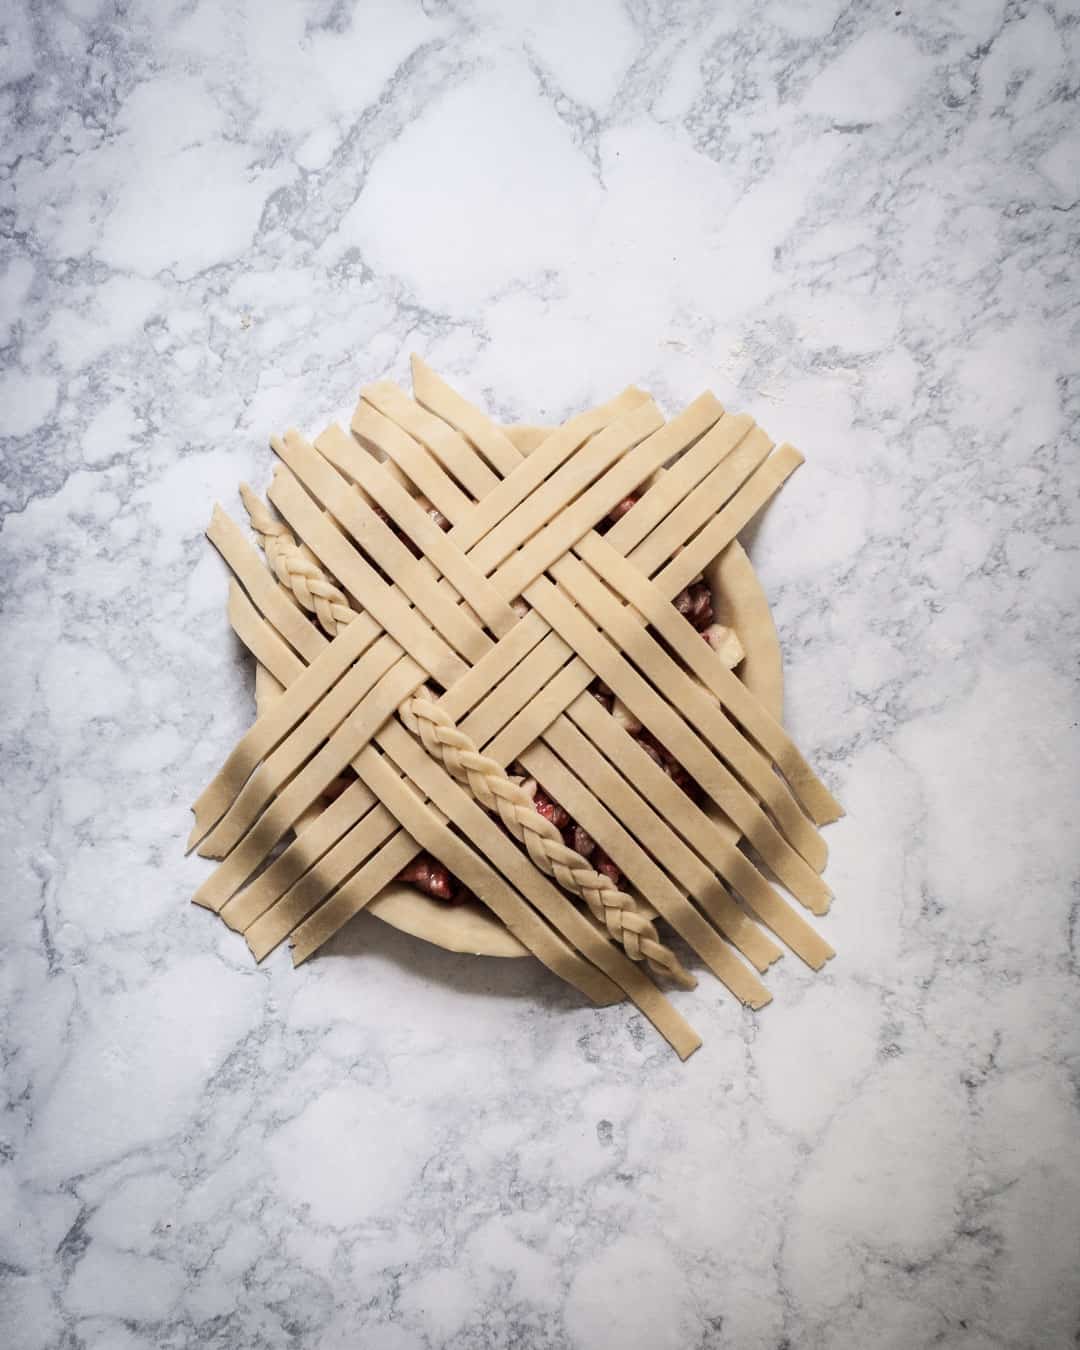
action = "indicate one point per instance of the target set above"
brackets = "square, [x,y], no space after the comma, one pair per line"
[600,498]
[747,759]
[688,470]
[603,658]
[695,508]
[318,726]
[724,526]
[376,539]
[312,781]
[468,580]
[408,461]
[527,525]
[686,694]
[328,663]
[447,404]
[362,841]
[385,603]
[494,789]
[471,523]
[656,609]
[700,831]
[446,445]
[246,907]
[274,655]
[636,863]
[683,864]
[530,723]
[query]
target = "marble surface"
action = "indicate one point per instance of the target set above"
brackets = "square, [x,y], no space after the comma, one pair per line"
[858,223]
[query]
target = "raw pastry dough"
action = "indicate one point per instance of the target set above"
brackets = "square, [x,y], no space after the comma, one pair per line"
[512,612]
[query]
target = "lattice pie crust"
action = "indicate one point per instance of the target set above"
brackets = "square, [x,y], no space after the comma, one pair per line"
[430,653]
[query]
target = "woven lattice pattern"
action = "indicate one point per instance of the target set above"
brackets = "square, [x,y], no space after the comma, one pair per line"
[431,609]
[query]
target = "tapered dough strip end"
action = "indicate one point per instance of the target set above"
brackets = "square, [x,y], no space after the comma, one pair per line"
[208,849]
[769,957]
[812,893]
[198,829]
[820,953]
[686,1047]
[424,379]
[818,899]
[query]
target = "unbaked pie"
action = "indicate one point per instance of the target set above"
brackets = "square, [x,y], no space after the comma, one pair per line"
[496,706]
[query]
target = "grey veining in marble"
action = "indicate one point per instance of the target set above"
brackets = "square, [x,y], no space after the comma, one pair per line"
[861,224]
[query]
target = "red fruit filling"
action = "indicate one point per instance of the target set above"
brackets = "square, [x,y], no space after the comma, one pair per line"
[427,874]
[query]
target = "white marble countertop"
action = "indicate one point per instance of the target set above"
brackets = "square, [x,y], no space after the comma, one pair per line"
[860,225]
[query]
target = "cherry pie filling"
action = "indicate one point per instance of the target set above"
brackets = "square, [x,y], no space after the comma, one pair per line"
[694,603]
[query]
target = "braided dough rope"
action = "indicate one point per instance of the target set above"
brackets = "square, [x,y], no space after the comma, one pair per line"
[620,913]
[495,789]
[296,567]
